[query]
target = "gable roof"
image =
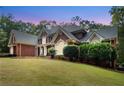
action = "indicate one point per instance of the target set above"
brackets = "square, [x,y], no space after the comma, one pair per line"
[71,28]
[24,38]
[108,32]
[51,30]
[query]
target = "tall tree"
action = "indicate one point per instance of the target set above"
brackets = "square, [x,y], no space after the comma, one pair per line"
[6,25]
[117,14]
[76,19]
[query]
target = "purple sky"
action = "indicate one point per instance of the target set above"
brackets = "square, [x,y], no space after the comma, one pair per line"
[34,14]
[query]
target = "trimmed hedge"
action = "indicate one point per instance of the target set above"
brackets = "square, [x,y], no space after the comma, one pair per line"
[84,51]
[71,51]
[98,53]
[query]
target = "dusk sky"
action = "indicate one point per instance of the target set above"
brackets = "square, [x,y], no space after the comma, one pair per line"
[35,14]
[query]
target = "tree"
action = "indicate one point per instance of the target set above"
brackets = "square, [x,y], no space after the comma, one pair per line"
[76,19]
[6,25]
[117,14]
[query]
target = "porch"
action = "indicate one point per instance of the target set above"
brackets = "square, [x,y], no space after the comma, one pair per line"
[43,49]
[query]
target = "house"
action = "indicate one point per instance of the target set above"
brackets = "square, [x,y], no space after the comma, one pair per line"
[23,44]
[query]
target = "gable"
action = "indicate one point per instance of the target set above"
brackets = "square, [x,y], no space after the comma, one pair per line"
[12,39]
[61,36]
[23,38]
[95,38]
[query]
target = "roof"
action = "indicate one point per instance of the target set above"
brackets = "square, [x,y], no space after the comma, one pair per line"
[108,33]
[87,36]
[68,28]
[24,38]
[71,28]
[51,30]
[69,34]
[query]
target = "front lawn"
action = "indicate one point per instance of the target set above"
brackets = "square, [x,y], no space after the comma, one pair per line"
[41,71]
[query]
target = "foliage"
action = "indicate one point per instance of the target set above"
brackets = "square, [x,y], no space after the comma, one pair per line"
[51,51]
[84,51]
[117,13]
[71,51]
[98,52]
[7,24]
[87,25]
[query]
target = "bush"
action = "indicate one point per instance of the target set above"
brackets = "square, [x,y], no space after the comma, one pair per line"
[71,51]
[84,51]
[52,52]
[98,53]
[102,52]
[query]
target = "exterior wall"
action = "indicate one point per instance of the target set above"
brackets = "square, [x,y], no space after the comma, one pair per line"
[25,50]
[60,43]
[59,46]
[95,39]
[44,39]
[11,50]
[113,42]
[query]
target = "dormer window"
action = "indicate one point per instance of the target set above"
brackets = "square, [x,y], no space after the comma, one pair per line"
[48,27]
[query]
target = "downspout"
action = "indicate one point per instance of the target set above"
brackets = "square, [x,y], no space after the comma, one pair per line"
[20,50]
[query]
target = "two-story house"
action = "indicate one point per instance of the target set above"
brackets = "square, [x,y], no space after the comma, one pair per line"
[24,44]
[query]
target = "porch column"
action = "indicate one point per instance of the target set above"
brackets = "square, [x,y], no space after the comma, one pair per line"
[11,50]
[45,50]
[41,51]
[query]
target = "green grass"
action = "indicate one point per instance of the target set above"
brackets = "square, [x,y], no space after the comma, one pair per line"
[41,71]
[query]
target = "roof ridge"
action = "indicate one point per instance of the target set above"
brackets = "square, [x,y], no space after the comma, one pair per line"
[24,33]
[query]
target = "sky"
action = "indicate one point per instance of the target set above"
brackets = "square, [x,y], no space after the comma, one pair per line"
[34,14]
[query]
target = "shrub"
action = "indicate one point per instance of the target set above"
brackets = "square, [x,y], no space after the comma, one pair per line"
[102,52]
[52,52]
[84,51]
[71,51]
